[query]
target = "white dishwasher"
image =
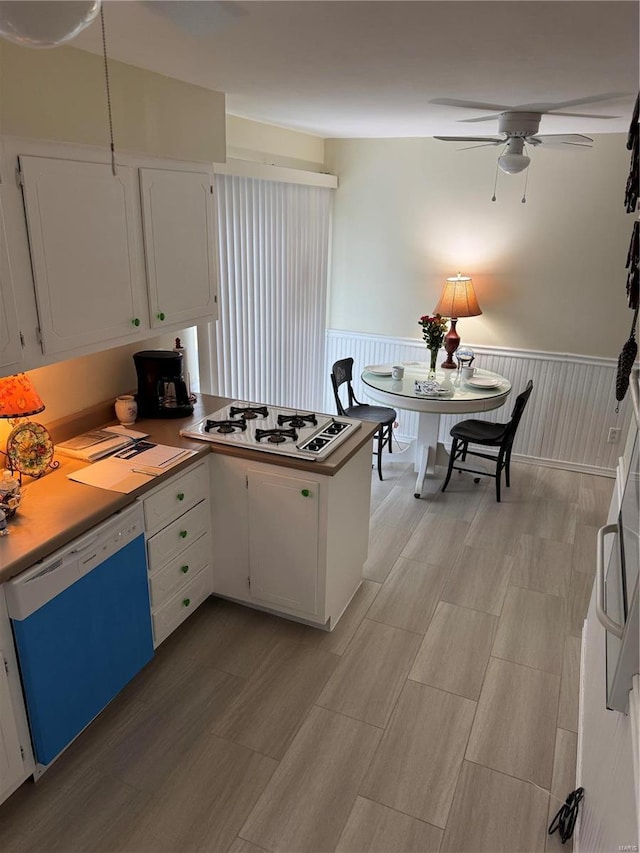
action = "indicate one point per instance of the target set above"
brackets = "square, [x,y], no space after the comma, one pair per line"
[82,625]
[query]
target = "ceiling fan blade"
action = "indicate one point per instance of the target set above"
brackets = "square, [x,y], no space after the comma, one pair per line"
[492,117]
[565,145]
[567,138]
[198,19]
[487,140]
[579,115]
[481,145]
[576,102]
[470,105]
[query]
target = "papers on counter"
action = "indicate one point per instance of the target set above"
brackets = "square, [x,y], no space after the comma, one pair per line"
[132,467]
[98,443]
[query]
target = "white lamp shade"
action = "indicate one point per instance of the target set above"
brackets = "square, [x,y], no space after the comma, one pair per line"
[514,159]
[513,163]
[45,23]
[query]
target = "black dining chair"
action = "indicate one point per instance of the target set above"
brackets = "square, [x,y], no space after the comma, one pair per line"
[487,434]
[384,416]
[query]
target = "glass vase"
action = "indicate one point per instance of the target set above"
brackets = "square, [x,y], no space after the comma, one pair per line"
[433,363]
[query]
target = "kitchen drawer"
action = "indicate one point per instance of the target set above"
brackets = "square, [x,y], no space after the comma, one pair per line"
[178,535]
[178,495]
[179,571]
[167,618]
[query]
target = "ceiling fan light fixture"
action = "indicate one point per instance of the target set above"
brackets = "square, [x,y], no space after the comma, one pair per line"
[513,163]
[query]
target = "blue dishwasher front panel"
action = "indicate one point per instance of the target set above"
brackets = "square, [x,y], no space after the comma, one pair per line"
[79,649]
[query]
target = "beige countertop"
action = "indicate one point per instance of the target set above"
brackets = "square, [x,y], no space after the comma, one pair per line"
[55,510]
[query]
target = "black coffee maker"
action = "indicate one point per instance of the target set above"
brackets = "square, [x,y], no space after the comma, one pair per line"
[162,391]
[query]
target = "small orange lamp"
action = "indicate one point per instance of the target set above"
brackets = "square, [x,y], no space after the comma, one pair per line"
[29,446]
[458,299]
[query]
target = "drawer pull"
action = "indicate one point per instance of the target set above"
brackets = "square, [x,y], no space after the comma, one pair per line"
[160,315]
[180,496]
[184,569]
[183,534]
[186,601]
[135,322]
[305,493]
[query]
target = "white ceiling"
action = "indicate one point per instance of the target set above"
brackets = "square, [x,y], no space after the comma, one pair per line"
[370,69]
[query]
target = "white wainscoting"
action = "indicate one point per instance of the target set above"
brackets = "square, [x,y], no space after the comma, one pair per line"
[568,416]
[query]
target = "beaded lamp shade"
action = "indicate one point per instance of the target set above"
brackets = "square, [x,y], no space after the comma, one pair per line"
[18,397]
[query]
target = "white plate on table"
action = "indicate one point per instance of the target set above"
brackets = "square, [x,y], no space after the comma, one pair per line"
[483,382]
[380,369]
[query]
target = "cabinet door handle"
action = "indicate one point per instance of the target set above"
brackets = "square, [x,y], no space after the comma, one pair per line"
[160,315]
[306,493]
[184,569]
[180,496]
[186,601]
[601,611]
[183,534]
[135,322]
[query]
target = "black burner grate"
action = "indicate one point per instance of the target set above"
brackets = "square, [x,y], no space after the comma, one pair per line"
[298,420]
[249,413]
[224,427]
[276,436]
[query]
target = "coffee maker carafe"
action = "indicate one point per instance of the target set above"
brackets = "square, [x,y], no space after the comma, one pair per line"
[162,391]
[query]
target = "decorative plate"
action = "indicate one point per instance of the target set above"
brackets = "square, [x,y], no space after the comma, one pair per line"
[483,382]
[30,449]
[379,369]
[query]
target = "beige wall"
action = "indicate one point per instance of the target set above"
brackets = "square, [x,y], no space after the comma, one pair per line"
[278,146]
[549,274]
[81,383]
[59,94]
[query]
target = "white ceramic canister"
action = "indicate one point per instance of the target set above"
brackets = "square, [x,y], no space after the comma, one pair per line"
[126,409]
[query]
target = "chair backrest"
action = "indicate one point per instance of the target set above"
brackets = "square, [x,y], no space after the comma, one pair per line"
[516,414]
[341,372]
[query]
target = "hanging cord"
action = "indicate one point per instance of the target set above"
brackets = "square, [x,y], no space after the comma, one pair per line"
[633,144]
[106,80]
[565,820]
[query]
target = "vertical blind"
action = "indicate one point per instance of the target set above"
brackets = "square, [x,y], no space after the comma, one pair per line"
[273,246]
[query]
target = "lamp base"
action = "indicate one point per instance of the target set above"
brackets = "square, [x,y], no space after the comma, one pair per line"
[451,344]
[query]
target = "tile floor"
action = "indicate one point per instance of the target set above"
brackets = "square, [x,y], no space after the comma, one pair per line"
[438,716]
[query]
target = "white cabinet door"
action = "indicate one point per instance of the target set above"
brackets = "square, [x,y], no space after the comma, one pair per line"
[283,540]
[16,758]
[10,348]
[11,765]
[85,251]
[178,220]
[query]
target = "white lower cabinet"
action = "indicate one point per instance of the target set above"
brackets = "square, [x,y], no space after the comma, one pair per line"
[283,557]
[177,521]
[287,541]
[16,757]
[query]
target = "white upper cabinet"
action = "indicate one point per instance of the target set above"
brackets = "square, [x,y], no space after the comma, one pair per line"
[179,239]
[10,348]
[85,251]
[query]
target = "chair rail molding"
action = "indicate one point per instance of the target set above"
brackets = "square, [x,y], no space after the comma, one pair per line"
[571,411]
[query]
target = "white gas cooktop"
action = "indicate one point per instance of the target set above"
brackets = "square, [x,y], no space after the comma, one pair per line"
[274,429]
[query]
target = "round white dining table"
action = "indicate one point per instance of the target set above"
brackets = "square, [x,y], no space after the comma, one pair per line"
[461,398]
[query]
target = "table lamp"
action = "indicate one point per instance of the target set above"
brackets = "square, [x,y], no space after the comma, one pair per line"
[458,299]
[29,446]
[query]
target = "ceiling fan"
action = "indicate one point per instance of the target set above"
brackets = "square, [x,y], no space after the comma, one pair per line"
[519,127]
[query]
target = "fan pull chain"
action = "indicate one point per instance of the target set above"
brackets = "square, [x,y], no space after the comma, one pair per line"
[495,183]
[106,80]
[523,200]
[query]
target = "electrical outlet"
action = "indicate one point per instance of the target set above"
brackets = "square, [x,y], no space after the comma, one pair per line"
[614,435]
